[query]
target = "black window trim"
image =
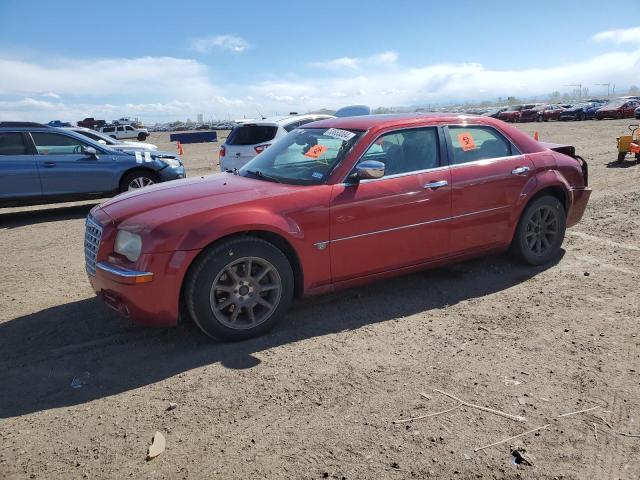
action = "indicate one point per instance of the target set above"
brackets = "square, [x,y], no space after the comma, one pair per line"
[513,150]
[442,155]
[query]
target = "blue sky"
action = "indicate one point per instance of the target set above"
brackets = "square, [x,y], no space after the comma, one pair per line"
[167,60]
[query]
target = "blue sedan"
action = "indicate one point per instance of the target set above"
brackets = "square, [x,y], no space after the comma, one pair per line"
[40,164]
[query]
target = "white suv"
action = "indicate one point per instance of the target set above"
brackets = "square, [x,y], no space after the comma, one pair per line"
[249,139]
[124,131]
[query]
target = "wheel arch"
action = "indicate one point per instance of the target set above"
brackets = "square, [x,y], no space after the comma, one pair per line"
[556,189]
[135,168]
[276,239]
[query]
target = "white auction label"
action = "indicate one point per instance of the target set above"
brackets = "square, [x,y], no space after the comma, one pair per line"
[147,156]
[138,157]
[341,134]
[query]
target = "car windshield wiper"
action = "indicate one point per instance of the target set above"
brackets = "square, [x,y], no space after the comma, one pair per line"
[258,173]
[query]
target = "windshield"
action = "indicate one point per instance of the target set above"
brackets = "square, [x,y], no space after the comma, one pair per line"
[303,157]
[515,108]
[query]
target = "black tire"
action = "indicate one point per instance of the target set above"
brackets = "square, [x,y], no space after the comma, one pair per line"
[142,137]
[540,118]
[621,156]
[213,269]
[581,117]
[112,136]
[543,220]
[620,115]
[143,177]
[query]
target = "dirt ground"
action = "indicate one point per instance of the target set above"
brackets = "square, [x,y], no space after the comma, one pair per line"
[317,397]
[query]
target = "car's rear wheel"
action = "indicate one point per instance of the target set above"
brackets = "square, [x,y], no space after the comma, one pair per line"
[142,137]
[138,179]
[239,289]
[620,115]
[581,117]
[540,231]
[540,118]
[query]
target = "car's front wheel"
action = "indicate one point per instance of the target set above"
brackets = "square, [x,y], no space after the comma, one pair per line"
[138,179]
[540,231]
[239,289]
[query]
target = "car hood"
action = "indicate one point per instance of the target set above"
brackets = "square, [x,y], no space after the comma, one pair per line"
[164,202]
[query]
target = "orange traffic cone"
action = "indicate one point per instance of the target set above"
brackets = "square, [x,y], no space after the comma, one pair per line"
[535,135]
[180,149]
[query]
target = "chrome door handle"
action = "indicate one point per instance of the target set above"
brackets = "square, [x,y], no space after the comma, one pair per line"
[49,164]
[436,185]
[520,170]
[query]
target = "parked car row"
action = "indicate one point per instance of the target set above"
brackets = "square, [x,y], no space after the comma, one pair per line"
[598,109]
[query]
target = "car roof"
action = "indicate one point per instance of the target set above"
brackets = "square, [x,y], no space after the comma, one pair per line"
[285,119]
[366,122]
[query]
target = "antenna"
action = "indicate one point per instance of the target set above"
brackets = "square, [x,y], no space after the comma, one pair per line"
[261,116]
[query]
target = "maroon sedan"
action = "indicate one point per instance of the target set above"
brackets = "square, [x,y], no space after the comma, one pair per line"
[514,113]
[550,112]
[332,204]
[618,109]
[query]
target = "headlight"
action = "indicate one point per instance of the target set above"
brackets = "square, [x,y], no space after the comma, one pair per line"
[172,162]
[128,244]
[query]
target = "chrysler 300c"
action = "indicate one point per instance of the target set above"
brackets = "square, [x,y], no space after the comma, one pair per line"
[332,204]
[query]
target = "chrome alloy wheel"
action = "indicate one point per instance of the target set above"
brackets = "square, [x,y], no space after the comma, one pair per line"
[139,182]
[542,230]
[245,293]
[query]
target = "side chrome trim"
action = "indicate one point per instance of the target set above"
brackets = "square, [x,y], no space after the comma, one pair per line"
[124,272]
[413,225]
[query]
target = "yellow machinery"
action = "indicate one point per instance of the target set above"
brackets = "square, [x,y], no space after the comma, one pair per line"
[629,144]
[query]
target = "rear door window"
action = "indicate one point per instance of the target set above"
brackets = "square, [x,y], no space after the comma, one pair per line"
[108,129]
[13,144]
[471,144]
[251,134]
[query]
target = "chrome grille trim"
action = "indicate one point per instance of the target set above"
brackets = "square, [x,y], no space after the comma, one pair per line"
[92,236]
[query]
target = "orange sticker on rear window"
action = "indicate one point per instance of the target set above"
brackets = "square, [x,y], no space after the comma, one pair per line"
[315,151]
[466,141]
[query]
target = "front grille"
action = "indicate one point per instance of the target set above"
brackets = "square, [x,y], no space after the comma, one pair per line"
[92,235]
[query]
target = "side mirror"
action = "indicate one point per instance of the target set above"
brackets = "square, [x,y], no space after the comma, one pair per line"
[91,151]
[369,169]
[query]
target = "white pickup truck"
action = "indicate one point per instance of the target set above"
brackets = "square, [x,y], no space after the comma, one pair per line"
[125,131]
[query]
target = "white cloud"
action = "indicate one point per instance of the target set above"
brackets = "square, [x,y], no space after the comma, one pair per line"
[384,59]
[620,36]
[166,88]
[232,43]
[144,76]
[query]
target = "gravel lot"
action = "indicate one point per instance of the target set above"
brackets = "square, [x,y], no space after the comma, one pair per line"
[317,397]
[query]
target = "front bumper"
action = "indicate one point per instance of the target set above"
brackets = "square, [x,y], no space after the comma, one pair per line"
[172,173]
[149,295]
[579,200]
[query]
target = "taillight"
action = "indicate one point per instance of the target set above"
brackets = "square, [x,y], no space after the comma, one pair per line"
[261,148]
[222,151]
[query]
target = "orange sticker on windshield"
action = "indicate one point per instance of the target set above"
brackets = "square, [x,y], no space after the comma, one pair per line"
[466,141]
[315,151]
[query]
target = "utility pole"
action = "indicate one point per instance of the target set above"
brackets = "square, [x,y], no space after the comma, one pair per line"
[605,85]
